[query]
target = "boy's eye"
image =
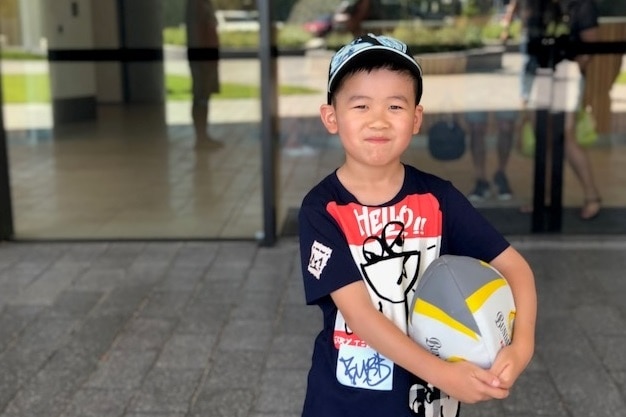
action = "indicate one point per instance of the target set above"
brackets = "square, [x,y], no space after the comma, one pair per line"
[395,107]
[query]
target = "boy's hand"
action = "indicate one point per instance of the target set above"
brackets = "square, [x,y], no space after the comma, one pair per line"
[470,384]
[508,366]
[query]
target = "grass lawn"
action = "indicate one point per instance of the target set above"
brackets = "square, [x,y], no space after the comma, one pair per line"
[35,88]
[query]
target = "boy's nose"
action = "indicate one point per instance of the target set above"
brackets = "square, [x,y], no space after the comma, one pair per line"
[379,119]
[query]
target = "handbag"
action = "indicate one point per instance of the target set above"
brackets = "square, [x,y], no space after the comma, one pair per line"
[446,140]
[586,133]
[528,140]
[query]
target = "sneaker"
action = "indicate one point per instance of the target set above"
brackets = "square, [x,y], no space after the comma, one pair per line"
[481,191]
[502,186]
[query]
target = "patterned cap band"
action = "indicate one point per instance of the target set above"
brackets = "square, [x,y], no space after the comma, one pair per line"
[348,56]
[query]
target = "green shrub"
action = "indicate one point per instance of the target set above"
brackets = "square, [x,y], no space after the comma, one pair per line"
[493,30]
[16,54]
[239,39]
[423,39]
[293,36]
[174,36]
[448,38]
[289,36]
[35,88]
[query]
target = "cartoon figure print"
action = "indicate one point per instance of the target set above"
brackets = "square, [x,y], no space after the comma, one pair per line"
[390,270]
[392,246]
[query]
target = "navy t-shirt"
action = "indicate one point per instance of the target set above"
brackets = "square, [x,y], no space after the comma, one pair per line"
[388,247]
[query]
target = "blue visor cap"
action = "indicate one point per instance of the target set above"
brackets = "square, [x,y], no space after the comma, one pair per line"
[368,50]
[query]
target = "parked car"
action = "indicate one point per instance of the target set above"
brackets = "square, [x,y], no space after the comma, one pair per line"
[320,26]
[239,20]
[233,20]
[387,14]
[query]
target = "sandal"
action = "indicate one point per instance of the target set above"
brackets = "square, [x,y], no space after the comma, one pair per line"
[591,208]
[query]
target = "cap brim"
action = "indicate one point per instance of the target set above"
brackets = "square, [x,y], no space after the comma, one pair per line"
[373,57]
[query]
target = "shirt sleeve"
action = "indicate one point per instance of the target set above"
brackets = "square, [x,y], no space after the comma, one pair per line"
[327,263]
[467,232]
[584,16]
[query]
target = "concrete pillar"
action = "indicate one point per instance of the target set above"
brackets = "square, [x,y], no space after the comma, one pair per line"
[142,36]
[31,25]
[103,52]
[72,76]
[106,33]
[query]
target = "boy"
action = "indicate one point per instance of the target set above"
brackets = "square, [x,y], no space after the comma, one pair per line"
[368,230]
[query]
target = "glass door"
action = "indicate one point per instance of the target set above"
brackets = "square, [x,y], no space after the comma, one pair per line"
[100,130]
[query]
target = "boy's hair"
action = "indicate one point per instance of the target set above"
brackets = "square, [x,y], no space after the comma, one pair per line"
[370,52]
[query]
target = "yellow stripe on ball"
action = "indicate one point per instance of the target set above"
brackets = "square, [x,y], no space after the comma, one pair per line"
[429,310]
[478,298]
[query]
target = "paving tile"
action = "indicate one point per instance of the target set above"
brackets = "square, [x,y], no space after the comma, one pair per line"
[224,403]
[93,402]
[247,334]
[232,370]
[96,334]
[122,300]
[13,320]
[122,369]
[183,351]
[166,391]
[141,334]
[74,303]
[182,277]
[166,304]
[211,328]
[281,391]
[48,285]
[52,388]
[202,317]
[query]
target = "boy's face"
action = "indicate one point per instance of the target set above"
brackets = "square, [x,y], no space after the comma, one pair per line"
[375,116]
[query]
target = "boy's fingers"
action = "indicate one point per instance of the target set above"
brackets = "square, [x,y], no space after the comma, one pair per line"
[488,378]
[494,387]
[498,393]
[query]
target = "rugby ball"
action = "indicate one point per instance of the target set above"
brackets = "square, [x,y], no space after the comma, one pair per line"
[462,309]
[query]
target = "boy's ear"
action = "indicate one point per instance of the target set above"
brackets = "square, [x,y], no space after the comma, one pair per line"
[418,117]
[329,118]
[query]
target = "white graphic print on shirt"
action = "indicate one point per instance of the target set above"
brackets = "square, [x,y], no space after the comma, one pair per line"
[392,246]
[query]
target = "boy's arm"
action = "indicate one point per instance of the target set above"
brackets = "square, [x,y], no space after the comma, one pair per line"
[462,380]
[513,359]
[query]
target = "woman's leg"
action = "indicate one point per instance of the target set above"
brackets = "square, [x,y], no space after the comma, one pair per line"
[579,161]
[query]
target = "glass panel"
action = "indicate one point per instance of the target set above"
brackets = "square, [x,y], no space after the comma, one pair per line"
[605,98]
[132,170]
[471,82]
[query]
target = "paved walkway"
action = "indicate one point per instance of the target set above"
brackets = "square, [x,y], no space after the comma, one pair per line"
[220,329]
